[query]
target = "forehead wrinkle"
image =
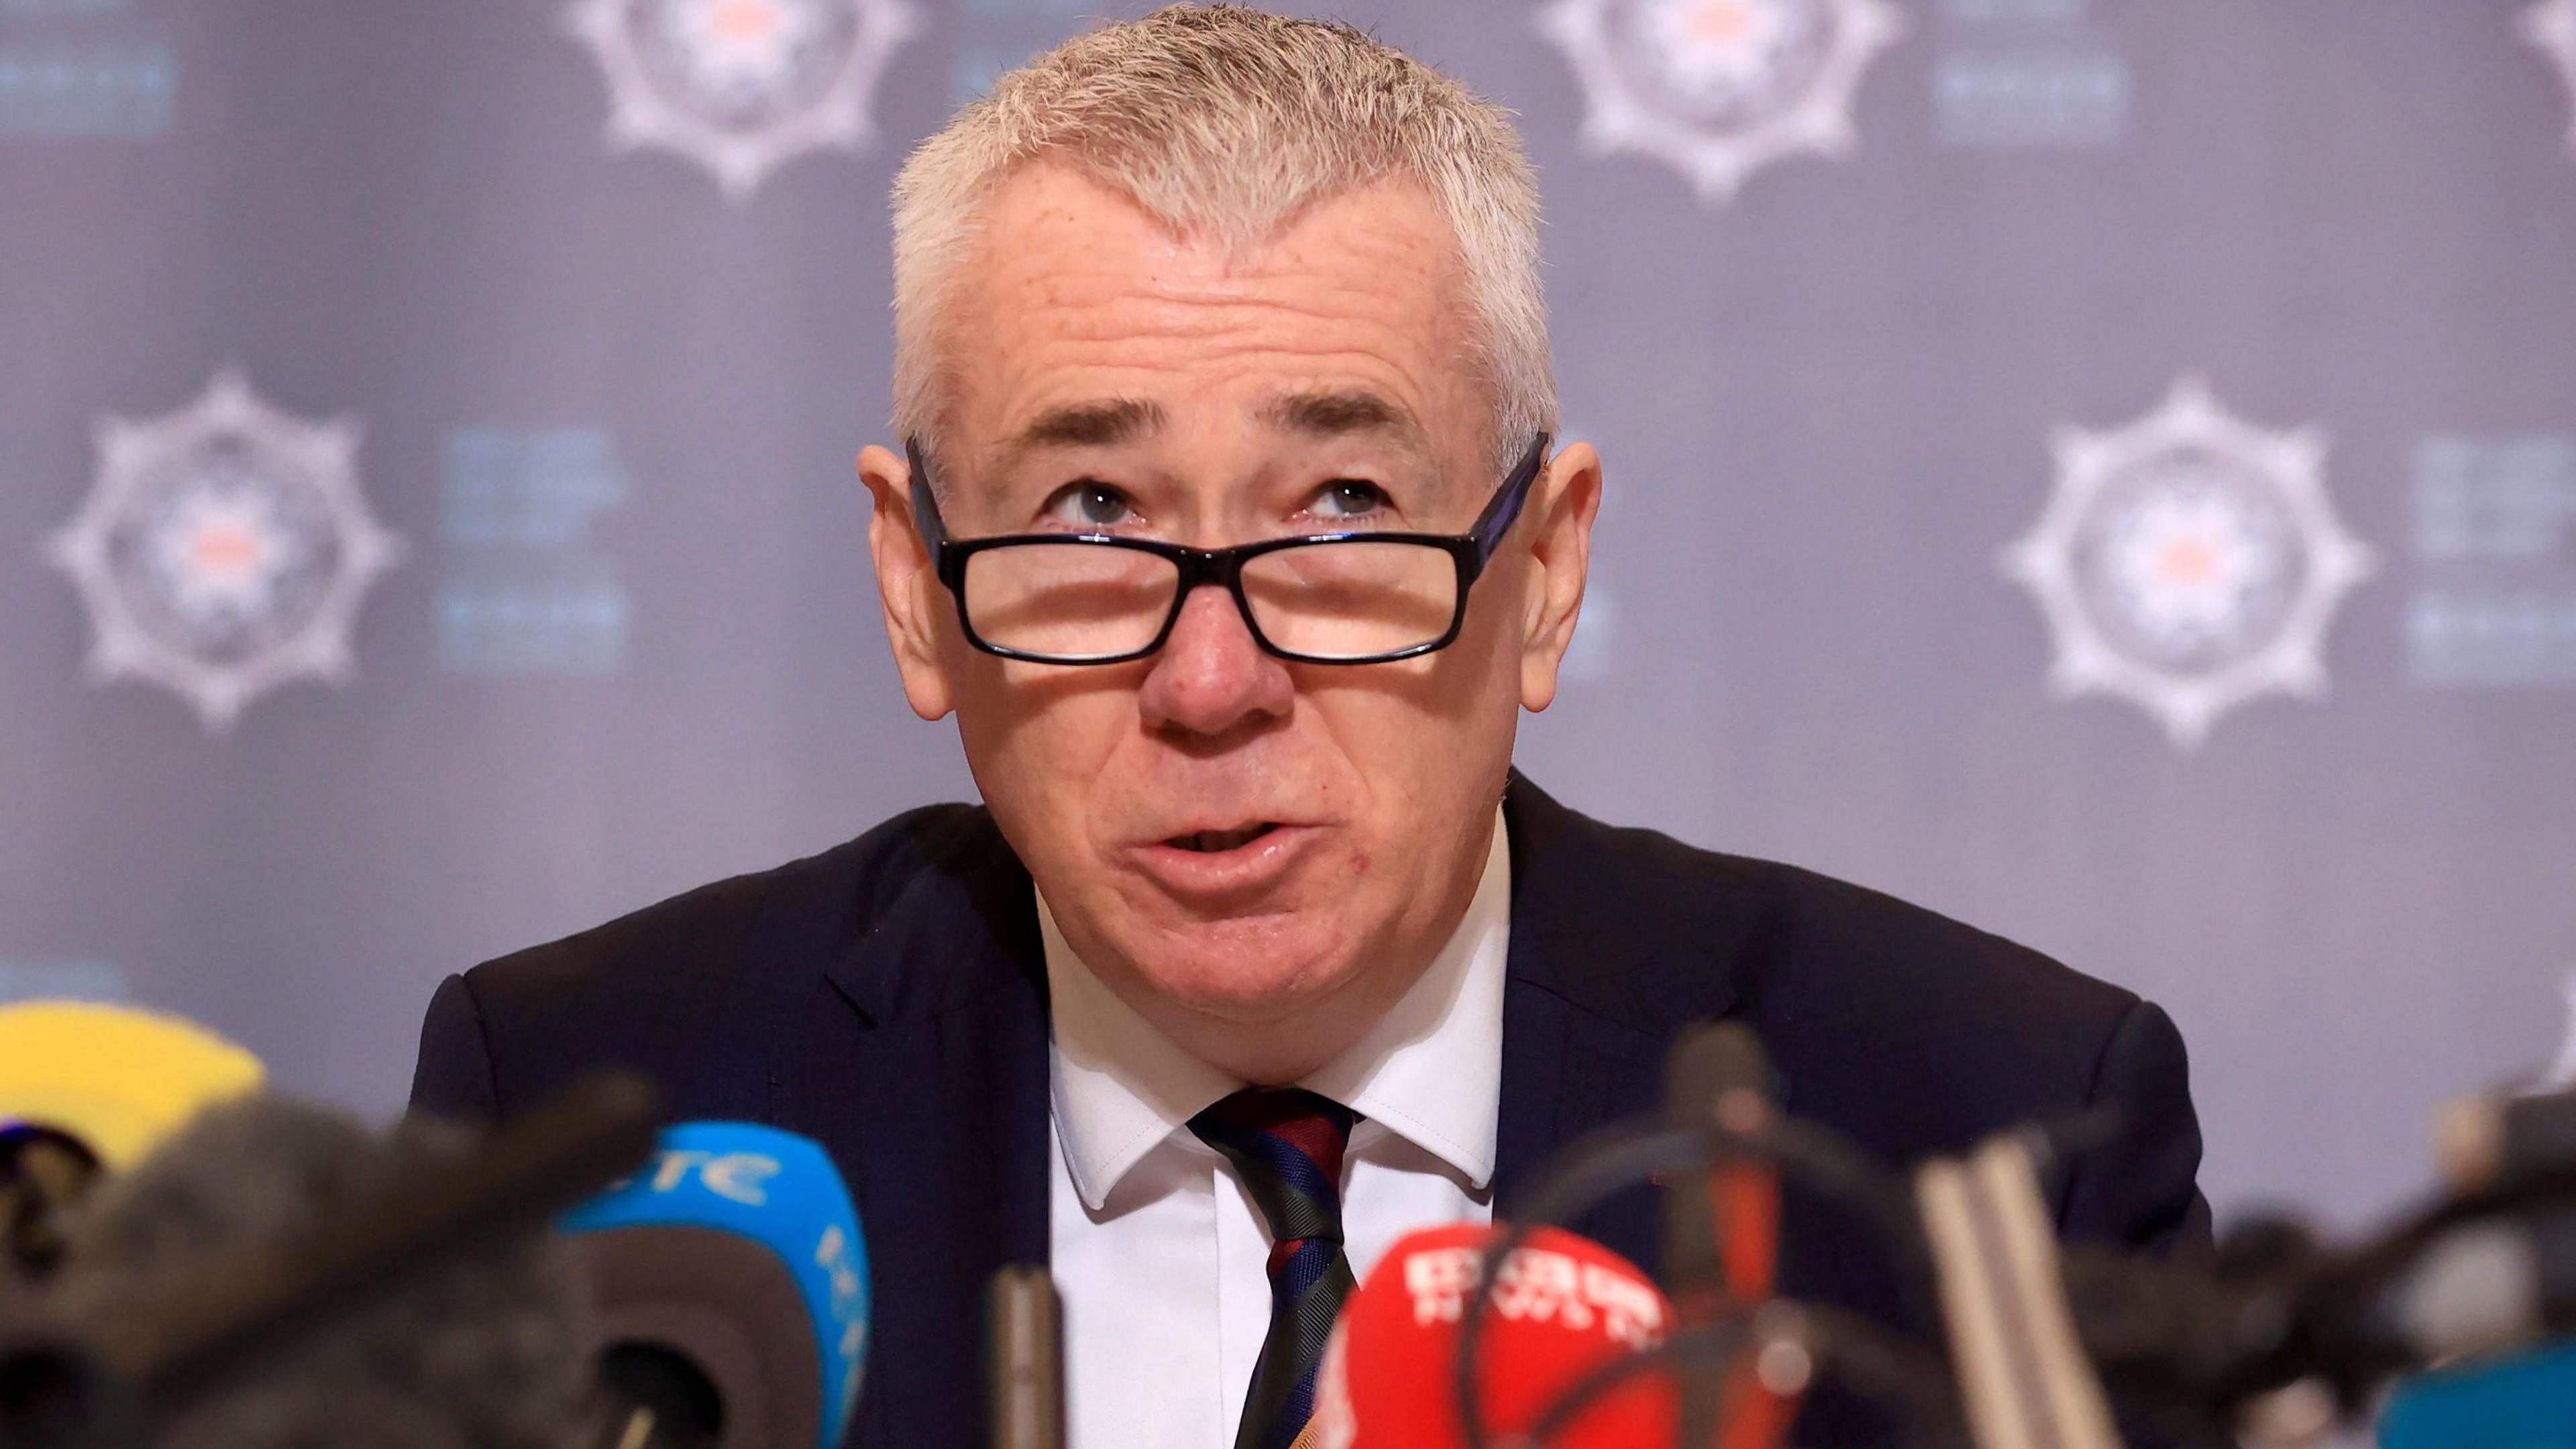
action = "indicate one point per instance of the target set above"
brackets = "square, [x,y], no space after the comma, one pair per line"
[1315,384]
[1336,302]
[1115,310]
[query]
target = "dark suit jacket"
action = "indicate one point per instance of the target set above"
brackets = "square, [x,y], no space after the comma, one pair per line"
[888,998]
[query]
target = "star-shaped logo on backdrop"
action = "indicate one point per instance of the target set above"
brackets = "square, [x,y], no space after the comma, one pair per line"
[2551,25]
[1718,89]
[741,86]
[223,549]
[2189,562]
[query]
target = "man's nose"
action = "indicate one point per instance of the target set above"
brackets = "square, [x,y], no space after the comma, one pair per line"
[1211,677]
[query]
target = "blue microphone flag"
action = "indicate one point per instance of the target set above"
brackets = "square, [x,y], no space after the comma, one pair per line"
[2526,1401]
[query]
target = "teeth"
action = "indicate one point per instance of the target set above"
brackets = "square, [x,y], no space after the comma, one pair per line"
[1212,841]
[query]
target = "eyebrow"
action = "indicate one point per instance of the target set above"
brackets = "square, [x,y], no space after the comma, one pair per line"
[1335,414]
[1100,423]
[1107,422]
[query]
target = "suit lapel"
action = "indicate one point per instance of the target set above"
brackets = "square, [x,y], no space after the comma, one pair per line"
[925,1074]
[1590,1009]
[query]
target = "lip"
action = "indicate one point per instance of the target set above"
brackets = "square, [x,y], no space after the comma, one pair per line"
[1211,874]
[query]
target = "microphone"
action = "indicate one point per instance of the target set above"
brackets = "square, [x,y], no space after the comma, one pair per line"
[730,1285]
[1722,1228]
[87,1089]
[1564,1309]
[2484,1143]
[2023,1375]
[1024,1360]
[205,1299]
[2518,1403]
[2282,1336]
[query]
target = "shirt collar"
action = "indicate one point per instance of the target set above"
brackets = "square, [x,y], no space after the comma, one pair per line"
[1430,1070]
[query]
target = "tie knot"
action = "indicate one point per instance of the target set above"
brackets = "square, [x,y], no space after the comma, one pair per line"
[1286,1143]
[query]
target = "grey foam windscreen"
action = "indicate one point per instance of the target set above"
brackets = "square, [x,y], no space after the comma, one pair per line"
[486,1352]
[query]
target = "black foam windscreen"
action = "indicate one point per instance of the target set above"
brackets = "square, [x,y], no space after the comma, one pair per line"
[722,1304]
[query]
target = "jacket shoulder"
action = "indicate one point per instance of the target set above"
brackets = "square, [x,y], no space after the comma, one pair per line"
[1813,943]
[702,974]
[1919,1030]
[1897,1022]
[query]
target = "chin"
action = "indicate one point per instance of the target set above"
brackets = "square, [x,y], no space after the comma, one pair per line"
[1247,969]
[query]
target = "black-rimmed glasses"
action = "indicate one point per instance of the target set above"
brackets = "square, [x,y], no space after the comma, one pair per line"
[1329,598]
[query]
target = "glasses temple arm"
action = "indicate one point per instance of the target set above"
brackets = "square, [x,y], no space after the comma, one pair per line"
[925,507]
[1500,514]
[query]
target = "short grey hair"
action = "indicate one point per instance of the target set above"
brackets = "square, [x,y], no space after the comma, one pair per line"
[1227,122]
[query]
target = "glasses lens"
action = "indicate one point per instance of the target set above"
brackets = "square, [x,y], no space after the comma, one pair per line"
[1352,599]
[1069,601]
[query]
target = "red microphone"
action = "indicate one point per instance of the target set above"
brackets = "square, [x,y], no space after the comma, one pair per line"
[1722,1232]
[1562,1307]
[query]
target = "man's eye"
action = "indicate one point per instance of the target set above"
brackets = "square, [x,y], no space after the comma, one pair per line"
[1089,505]
[1348,498]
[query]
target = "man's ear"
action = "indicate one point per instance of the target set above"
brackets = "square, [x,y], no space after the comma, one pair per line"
[907,584]
[1561,510]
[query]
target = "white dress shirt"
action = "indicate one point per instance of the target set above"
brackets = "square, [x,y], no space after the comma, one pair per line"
[1158,1253]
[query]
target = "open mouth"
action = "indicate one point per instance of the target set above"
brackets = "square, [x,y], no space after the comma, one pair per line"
[1212,842]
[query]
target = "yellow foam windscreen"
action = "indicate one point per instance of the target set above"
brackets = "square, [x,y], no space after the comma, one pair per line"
[116,1079]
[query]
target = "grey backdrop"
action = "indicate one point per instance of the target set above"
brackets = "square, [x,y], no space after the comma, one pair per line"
[631,644]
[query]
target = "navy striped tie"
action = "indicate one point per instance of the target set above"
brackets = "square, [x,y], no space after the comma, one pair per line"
[1286,1144]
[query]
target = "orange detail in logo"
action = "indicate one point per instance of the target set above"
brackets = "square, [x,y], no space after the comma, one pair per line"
[745,20]
[1723,23]
[2188,560]
[224,548]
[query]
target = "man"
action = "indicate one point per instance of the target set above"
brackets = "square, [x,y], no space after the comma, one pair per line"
[1230,528]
